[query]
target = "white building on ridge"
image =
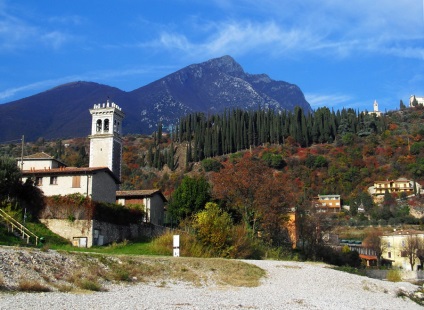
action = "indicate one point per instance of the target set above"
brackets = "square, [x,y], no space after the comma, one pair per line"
[376,112]
[420,100]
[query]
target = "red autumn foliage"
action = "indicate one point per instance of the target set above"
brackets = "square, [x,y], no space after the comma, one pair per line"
[252,188]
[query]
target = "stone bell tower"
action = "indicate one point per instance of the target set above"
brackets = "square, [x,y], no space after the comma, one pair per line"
[105,138]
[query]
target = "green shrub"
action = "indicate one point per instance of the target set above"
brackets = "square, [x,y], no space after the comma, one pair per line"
[313,161]
[121,274]
[210,164]
[234,157]
[394,275]
[240,245]
[353,270]
[274,160]
[89,285]
[416,148]
[213,226]
[32,286]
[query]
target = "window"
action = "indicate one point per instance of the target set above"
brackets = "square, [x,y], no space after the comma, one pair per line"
[389,254]
[76,181]
[388,244]
[53,180]
[106,124]
[38,181]
[99,125]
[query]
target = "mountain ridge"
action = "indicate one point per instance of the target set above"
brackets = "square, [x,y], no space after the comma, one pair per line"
[208,87]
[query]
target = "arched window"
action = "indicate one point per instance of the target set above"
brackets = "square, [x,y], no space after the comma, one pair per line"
[106,125]
[115,128]
[99,125]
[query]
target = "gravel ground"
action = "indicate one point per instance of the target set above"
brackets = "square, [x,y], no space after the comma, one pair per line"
[289,285]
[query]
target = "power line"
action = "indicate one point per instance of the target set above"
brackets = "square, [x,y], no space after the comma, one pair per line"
[4,142]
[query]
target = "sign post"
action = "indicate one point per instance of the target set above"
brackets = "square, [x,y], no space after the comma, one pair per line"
[176,245]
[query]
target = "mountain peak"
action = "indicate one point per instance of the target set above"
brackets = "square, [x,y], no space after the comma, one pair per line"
[225,64]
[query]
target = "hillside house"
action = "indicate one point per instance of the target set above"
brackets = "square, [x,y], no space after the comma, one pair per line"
[367,255]
[152,201]
[98,183]
[396,244]
[393,186]
[327,203]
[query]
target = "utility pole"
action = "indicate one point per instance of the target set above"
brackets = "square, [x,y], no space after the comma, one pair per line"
[22,154]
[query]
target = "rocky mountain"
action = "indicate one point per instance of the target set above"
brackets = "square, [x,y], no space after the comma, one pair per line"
[208,87]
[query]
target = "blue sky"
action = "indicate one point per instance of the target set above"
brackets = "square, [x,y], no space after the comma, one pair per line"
[340,53]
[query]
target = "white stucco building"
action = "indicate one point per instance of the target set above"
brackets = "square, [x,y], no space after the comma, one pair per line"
[152,200]
[396,246]
[98,183]
[101,179]
[420,100]
[39,161]
[375,111]
[378,190]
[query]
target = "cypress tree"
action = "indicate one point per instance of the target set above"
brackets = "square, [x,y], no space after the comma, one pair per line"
[159,133]
[150,156]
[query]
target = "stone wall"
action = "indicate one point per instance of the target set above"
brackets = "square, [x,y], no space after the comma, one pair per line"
[74,231]
[85,233]
[405,274]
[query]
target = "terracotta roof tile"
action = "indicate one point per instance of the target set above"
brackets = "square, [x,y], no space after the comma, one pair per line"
[40,155]
[67,171]
[138,193]
[405,232]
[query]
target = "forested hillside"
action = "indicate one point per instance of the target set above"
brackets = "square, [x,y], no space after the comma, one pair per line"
[327,152]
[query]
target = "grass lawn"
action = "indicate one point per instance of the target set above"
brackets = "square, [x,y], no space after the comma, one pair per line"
[7,238]
[55,242]
[123,248]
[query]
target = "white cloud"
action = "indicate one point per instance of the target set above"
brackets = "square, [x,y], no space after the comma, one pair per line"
[18,33]
[237,37]
[13,92]
[175,41]
[328,100]
[13,31]
[66,20]
[54,39]
[327,28]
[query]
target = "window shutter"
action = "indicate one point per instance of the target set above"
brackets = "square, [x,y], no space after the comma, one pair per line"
[76,181]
